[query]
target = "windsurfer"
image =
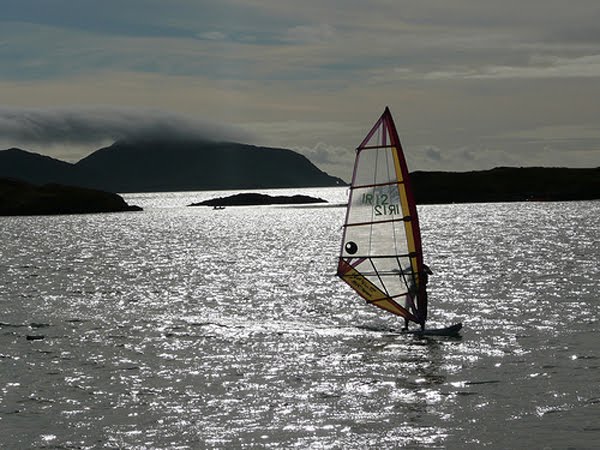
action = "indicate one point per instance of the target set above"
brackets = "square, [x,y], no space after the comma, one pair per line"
[405,324]
[425,273]
[425,277]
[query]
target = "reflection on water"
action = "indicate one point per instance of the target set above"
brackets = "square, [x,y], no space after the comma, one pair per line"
[192,328]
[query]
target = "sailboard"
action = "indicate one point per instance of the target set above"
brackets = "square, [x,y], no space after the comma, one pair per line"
[381,256]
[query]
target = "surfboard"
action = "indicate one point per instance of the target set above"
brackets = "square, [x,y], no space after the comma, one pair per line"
[452,330]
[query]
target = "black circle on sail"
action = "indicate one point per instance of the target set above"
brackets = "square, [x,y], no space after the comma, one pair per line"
[351,247]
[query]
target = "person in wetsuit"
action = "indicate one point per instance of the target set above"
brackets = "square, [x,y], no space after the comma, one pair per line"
[425,277]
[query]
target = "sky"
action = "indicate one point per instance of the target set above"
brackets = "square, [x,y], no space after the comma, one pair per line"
[472,84]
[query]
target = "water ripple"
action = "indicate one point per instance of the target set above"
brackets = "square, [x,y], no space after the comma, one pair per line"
[182,328]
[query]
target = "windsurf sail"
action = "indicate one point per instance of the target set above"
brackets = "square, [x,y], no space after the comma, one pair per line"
[381,256]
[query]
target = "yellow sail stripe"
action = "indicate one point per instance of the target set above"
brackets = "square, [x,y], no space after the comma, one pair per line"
[369,291]
[360,284]
[405,211]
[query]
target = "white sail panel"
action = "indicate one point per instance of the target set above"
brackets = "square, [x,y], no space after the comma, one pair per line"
[375,166]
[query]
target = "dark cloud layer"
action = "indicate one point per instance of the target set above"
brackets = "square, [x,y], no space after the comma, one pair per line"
[83,126]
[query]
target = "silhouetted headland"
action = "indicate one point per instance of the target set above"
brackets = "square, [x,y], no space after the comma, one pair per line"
[506,184]
[19,198]
[251,199]
[171,165]
[192,165]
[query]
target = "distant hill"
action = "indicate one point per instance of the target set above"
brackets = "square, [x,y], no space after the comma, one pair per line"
[35,168]
[171,165]
[179,165]
[18,198]
[507,184]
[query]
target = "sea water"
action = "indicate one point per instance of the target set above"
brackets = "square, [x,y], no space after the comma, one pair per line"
[185,327]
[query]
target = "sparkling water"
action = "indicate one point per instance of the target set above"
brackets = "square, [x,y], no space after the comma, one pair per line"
[186,327]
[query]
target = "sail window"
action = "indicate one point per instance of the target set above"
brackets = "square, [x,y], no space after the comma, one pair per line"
[351,247]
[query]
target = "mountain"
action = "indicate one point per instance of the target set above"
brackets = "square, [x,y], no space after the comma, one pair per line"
[180,165]
[171,165]
[35,168]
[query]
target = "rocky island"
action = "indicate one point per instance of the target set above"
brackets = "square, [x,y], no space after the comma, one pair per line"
[19,198]
[252,199]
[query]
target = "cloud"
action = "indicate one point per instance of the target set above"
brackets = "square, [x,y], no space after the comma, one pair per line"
[213,36]
[539,67]
[88,126]
[333,159]
[310,33]
[433,153]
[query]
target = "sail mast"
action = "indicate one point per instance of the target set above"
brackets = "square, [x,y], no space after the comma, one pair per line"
[415,230]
